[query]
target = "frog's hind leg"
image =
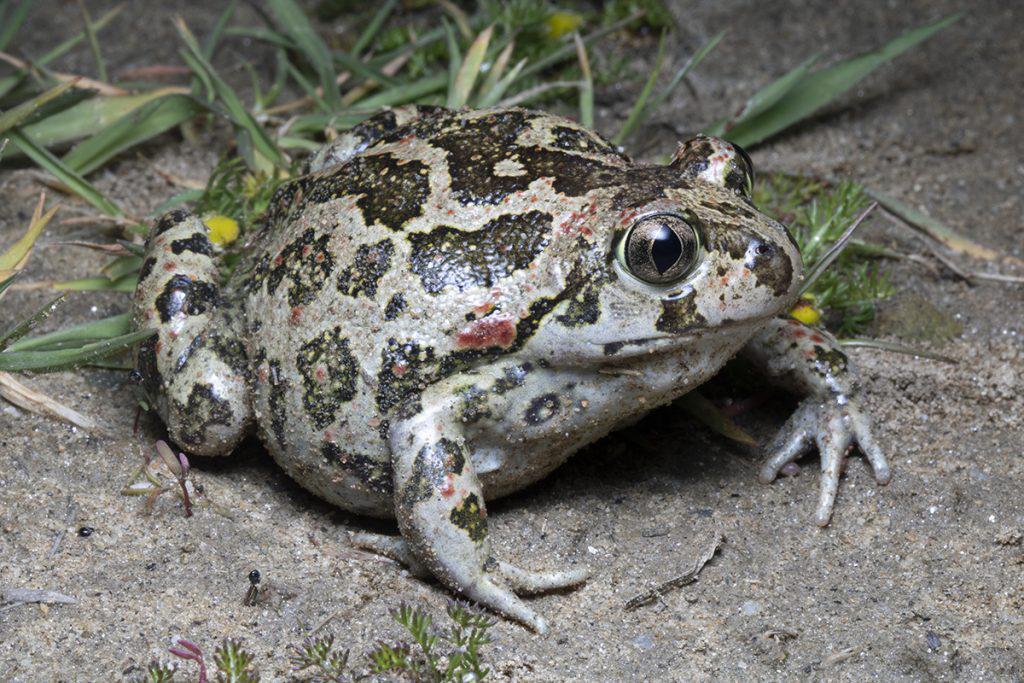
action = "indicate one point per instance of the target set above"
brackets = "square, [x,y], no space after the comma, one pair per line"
[194,369]
[440,510]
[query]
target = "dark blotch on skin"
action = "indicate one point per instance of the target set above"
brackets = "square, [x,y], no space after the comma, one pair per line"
[829,361]
[431,468]
[447,256]
[307,263]
[377,475]
[276,400]
[329,373]
[393,191]
[473,404]
[182,294]
[203,410]
[486,141]
[197,243]
[395,306]
[146,364]
[579,140]
[405,369]
[542,409]
[169,220]
[471,517]
[147,268]
[363,276]
[584,308]
[680,315]
[514,376]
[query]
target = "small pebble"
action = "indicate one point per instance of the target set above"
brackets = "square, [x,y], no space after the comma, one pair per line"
[934,642]
[644,641]
[790,469]
[85,531]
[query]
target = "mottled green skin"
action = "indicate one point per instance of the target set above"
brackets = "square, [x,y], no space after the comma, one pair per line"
[436,315]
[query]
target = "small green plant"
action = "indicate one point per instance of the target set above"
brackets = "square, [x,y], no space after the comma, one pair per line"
[317,657]
[458,661]
[434,656]
[233,664]
[818,214]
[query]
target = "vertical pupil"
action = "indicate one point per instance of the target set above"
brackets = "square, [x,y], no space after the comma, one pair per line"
[666,248]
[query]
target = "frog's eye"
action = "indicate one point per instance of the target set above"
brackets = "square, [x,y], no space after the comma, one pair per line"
[659,249]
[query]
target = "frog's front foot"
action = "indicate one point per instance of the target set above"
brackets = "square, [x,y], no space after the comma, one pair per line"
[834,424]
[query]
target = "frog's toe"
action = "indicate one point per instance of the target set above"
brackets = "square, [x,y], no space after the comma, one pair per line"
[834,427]
[792,441]
[526,582]
[503,601]
[392,547]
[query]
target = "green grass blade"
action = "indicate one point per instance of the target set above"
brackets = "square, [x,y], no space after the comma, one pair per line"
[454,61]
[587,89]
[8,83]
[817,89]
[636,113]
[121,266]
[932,227]
[45,361]
[86,118]
[707,413]
[99,284]
[249,133]
[145,122]
[763,99]
[569,49]
[78,184]
[491,97]
[690,65]
[12,23]
[293,22]
[497,69]
[468,73]
[94,44]
[13,117]
[76,335]
[373,28]
[218,30]
[29,323]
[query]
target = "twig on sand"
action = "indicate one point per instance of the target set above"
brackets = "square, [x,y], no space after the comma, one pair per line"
[58,538]
[34,402]
[25,596]
[681,580]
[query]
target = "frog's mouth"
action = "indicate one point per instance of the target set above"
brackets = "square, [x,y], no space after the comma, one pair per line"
[643,346]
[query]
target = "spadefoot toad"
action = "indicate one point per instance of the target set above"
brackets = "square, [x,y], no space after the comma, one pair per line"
[450,303]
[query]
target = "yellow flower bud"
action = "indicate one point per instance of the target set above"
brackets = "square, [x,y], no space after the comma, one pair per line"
[223,230]
[560,23]
[805,312]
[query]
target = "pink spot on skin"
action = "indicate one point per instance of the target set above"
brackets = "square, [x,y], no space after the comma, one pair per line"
[398,369]
[321,373]
[296,314]
[306,249]
[817,338]
[170,265]
[486,333]
[447,488]
[799,334]
[278,260]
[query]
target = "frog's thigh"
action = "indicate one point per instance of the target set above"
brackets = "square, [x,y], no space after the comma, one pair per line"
[194,369]
[440,510]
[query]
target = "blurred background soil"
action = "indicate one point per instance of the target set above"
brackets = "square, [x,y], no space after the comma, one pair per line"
[920,580]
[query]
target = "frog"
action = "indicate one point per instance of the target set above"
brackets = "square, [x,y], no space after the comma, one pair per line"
[448,303]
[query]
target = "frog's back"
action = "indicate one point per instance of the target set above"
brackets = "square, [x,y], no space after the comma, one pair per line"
[423,250]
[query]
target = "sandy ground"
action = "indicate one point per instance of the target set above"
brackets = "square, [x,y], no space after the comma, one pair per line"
[920,580]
